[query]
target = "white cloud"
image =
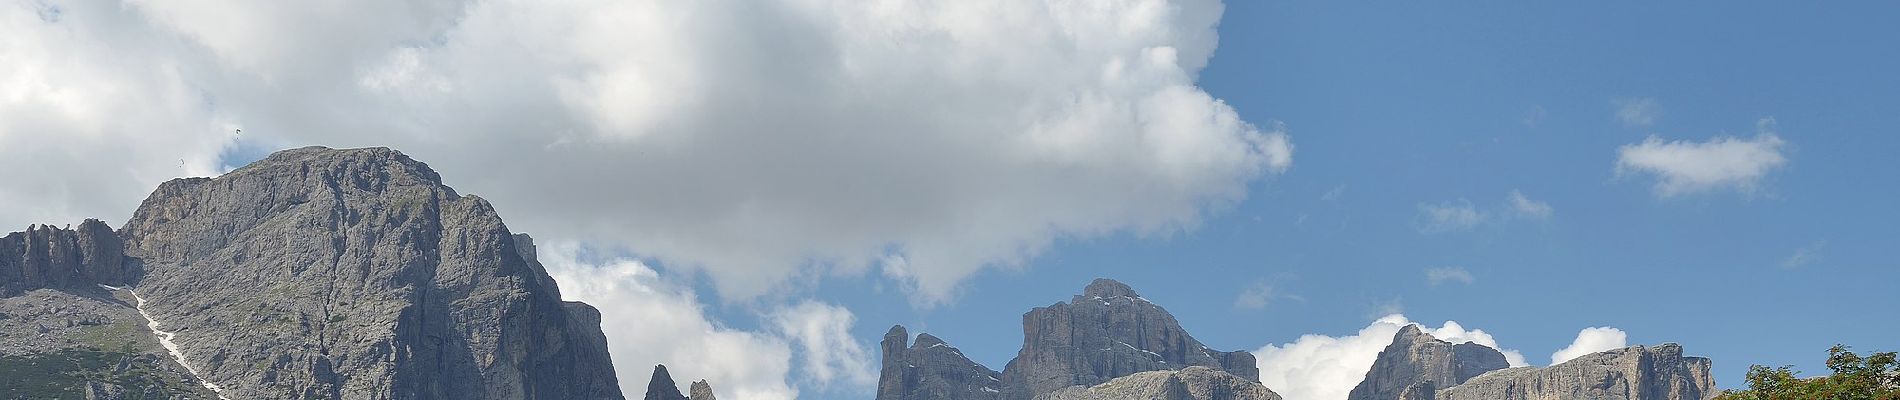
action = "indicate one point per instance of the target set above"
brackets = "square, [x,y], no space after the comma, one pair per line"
[81,110]
[1591,340]
[1637,112]
[649,321]
[1319,367]
[1441,275]
[752,140]
[1685,167]
[1804,255]
[1526,207]
[823,334]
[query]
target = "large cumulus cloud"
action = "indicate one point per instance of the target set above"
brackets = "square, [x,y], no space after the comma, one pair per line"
[753,140]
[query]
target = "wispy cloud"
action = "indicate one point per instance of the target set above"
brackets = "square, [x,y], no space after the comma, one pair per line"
[1261,294]
[1684,167]
[1462,215]
[1805,255]
[1524,206]
[1441,275]
[1333,195]
[1640,112]
[1457,215]
[1535,116]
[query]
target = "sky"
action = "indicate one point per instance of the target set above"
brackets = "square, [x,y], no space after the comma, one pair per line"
[753,191]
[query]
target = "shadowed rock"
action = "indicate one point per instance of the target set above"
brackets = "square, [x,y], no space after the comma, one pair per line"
[662,386]
[931,369]
[45,256]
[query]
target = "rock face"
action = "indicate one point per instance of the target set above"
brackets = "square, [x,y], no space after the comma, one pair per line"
[1107,332]
[1191,383]
[49,257]
[1420,391]
[324,273]
[662,386]
[701,391]
[1418,367]
[931,369]
[1631,373]
[83,342]
[1418,363]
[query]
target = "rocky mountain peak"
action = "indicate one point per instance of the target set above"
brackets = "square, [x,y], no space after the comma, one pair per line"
[662,386]
[357,273]
[929,368]
[701,391]
[1104,287]
[1107,332]
[1416,359]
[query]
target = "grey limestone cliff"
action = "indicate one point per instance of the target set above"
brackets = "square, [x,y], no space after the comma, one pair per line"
[1416,362]
[931,370]
[1631,373]
[1191,383]
[1108,331]
[45,256]
[355,273]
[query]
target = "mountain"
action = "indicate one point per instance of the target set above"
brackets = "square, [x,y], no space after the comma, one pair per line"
[662,387]
[1417,366]
[1416,360]
[1630,373]
[314,272]
[1191,383]
[1105,333]
[701,391]
[932,369]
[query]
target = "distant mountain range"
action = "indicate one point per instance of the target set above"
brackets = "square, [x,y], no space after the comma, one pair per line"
[1110,343]
[355,273]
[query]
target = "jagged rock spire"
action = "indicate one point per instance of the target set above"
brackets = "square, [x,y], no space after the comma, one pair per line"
[661,387]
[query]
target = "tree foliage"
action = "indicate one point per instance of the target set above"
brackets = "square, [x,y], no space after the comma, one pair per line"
[1874,377]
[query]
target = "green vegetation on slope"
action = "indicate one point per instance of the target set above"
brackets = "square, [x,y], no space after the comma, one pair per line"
[1874,377]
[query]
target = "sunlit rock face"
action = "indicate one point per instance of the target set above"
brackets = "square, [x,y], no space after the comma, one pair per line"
[1631,373]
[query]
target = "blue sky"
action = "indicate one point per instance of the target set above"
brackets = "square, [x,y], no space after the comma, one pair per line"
[1717,175]
[1398,105]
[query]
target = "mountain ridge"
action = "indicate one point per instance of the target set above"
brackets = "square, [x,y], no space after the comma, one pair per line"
[319,272]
